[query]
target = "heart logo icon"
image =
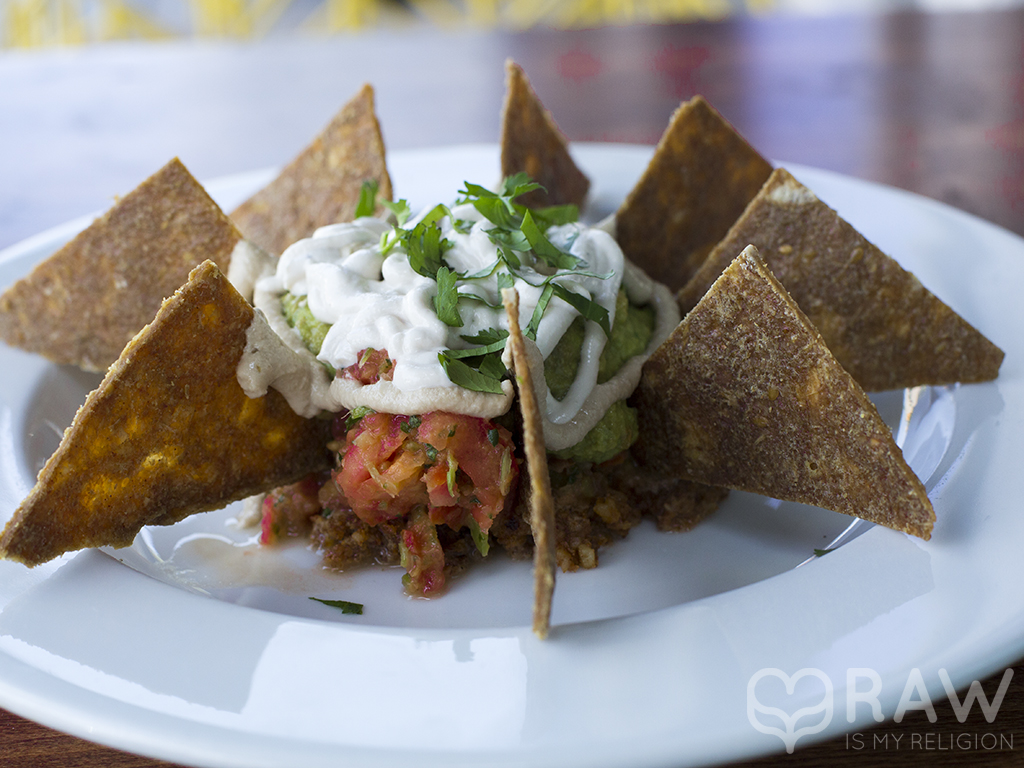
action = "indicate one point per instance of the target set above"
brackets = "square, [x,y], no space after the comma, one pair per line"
[789,733]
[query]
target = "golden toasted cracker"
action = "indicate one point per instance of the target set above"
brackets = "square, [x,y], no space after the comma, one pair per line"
[532,143]
[542,508]
[84,303]
[321,186]
[700,179]
[745,394]
[883,326]
[168,433]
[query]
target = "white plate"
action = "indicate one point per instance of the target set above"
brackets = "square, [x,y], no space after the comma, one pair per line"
[208,651]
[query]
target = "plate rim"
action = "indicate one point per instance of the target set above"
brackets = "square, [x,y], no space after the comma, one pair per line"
[17,696]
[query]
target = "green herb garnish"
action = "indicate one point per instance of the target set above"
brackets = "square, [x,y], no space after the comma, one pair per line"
[367,205]
[453,471]
[480,538]
[431,452]
[344,605]
[446,300]
[356,414]
[423,243]
[590,309]
[487,336]
[538,311]
[401,210]
[468,377]
[547,251]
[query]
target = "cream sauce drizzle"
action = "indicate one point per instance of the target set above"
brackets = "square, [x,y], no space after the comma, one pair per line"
[379,302]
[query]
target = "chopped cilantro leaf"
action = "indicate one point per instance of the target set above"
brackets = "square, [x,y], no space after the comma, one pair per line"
[492,366]
[518,184]
[487,336]
[544,248]
[538,312]
[494,346]
[411,423]
[356,414]
[555,215]
[446,300]
[590,309]
[367,204]
[401,210]
[344,605]
[452,474]
[425,248]
[480,538]
[466,376]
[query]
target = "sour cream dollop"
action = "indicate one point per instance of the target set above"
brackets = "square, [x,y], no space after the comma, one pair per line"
[356,279]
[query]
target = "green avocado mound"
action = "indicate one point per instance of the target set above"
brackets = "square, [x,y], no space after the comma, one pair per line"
[618,428]
[297,313]
[615,432]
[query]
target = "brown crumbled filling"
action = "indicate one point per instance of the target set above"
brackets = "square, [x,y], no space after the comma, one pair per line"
[344,541]
[596,505]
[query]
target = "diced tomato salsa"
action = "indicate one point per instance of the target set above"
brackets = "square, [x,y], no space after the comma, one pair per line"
[430,470]
[458,470]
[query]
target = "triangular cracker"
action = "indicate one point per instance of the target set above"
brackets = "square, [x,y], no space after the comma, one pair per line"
[532,143]
[885,328]
[84,303]
[542,508]
[700,179]
[746,395]
[321,186]
[168,433]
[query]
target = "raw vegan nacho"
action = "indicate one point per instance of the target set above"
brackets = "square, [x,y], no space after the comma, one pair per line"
[700,179]
[159,439]
[531,143]
[883,326]
[322,184]
[86,301]
[377,373]
[746,394]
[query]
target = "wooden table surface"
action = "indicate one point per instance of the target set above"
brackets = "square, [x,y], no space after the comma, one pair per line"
[929,103]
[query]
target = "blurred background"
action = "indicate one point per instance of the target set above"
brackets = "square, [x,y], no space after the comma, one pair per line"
[95,95]
[31,23]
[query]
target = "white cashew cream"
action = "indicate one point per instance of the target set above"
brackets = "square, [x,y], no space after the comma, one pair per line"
[356,279]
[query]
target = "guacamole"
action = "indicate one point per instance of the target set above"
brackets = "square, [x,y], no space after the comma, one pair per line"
[617,429]
[631,334]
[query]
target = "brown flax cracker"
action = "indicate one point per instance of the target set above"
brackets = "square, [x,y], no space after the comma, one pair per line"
[700,179]
[321,186]
[542,508]
[746,395]
[885,328]
[532,143]
[84,303]
[168,433]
